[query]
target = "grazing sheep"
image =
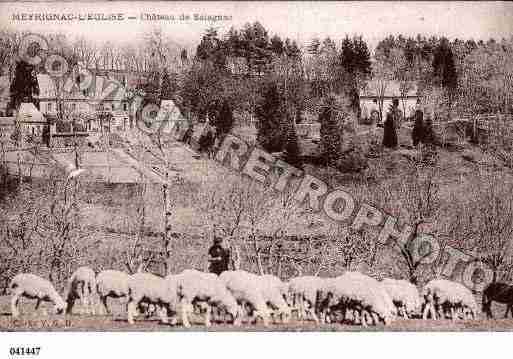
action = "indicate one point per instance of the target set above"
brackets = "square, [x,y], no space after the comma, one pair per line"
[198,287]
[275,293]
[363,295]
[152,290]
[81,286]
[245,288]
[112,283]
[447,296]
[405,296]
[34,287]
[305,292]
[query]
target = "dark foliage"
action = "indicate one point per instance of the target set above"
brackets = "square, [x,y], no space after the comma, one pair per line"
[269,114]
[443,66]
[224,119]
[292,153]
[24,87]
[331,132]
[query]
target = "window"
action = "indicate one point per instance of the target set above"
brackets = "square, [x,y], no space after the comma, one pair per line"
[73,106]
[125,107]
[49,107]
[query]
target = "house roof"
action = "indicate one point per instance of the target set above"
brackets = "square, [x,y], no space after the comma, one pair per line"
[29,113]
[392,89]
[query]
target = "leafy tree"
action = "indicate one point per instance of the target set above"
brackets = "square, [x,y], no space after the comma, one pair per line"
[355,63]
[277,46]
[255,47]
[486,81]
[444,69]
[201,86]
[224,119]
[169,86]
[291,151]
[287,72]
[233,43]
[269,113]
[331,119]
[291,49]
[361,61]
[212,48]
[207,45]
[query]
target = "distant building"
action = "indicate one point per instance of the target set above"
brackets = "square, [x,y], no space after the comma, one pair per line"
[96,98]
[392,90]
[31,123]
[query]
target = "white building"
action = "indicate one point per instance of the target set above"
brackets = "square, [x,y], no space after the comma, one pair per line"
[387,91]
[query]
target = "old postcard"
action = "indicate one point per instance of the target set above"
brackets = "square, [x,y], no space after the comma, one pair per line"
[241,166]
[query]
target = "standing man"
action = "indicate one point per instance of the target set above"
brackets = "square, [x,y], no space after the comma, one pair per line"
[417,134]
[187,137]
[219,257]
[391,124]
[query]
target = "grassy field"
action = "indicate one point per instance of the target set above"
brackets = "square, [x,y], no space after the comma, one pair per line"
[117,322]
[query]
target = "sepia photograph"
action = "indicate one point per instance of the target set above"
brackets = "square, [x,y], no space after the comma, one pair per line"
[258,167]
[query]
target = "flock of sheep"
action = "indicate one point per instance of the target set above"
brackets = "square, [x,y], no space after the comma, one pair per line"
[239,296]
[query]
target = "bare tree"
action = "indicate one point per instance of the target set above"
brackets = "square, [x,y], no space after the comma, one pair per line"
[486,220]
[42,230]
[382,74]
[10,42]
[138,253]
[413,198]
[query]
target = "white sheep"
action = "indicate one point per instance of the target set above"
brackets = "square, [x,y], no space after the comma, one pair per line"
[405,296]
[81,285]
[112,283]
[305,292]
[275,294]
[362,294]
[245,288]
[153,290]
[199,287]
[34,287]
[441,295]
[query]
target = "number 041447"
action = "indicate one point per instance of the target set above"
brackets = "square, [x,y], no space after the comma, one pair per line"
[19,351]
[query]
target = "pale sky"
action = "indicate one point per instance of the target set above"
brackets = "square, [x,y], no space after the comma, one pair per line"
[297,20]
